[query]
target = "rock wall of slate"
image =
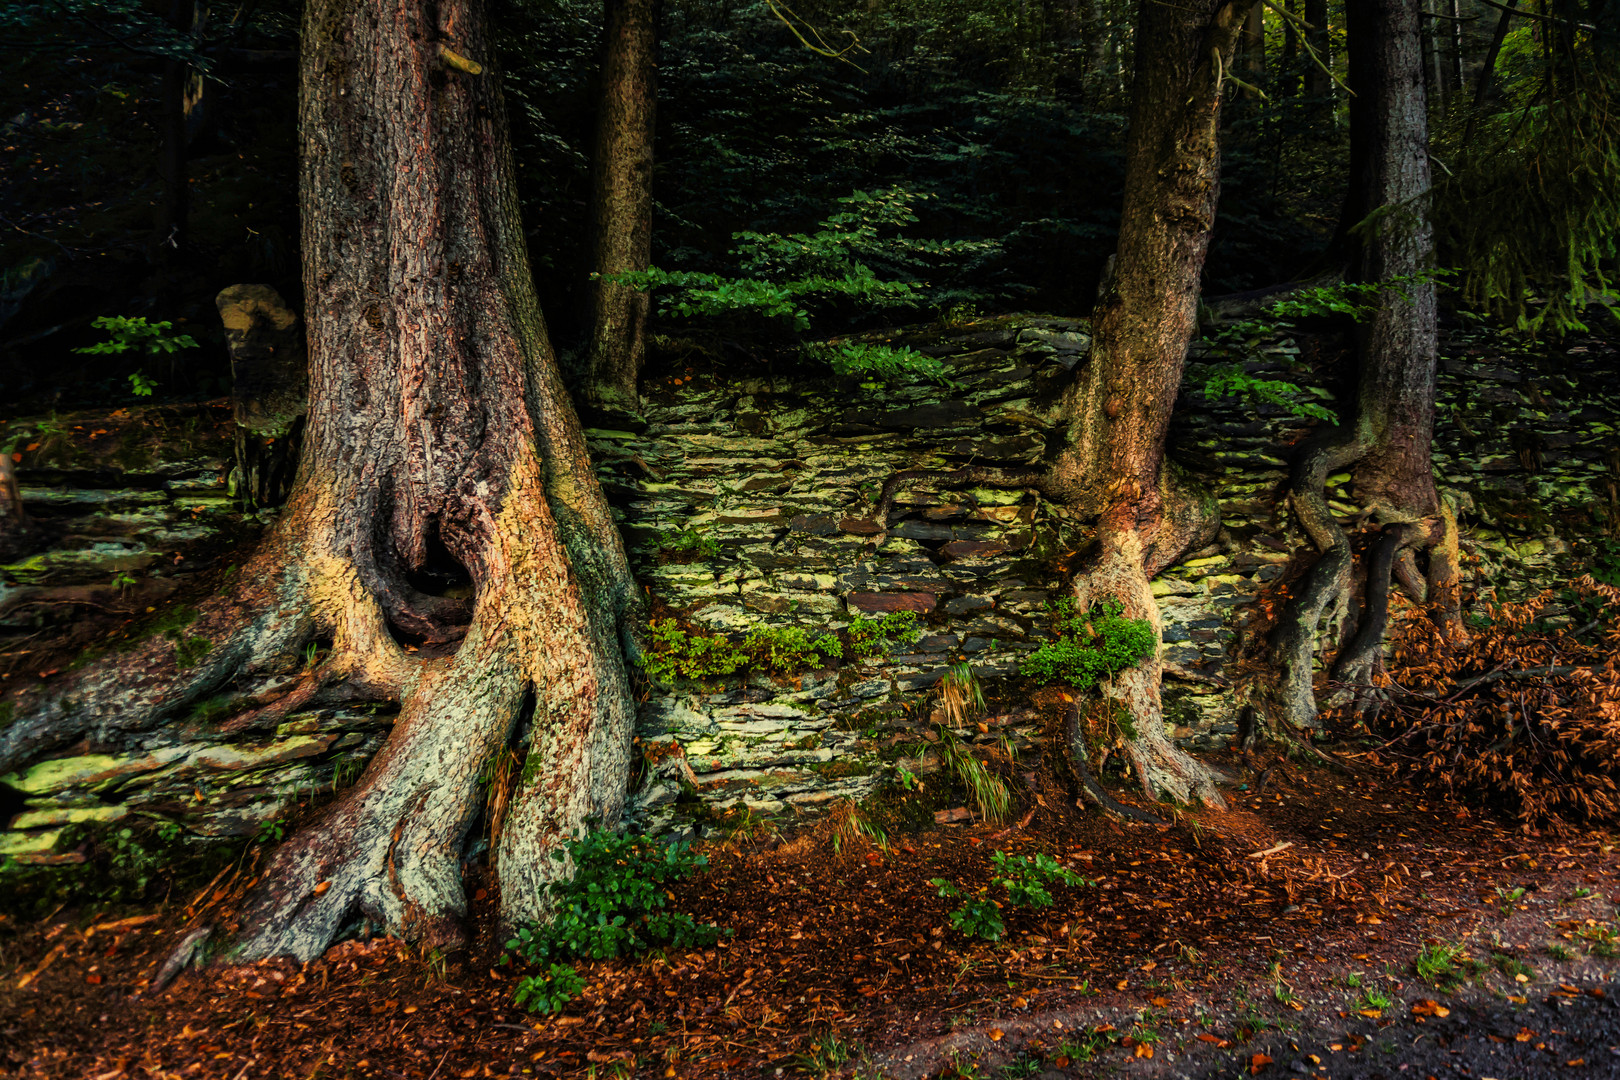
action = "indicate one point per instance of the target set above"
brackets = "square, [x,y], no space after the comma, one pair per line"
[748,502]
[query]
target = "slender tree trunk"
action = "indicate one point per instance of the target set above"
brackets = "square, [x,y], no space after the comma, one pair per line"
[440,444]
[1318,83]
[1390,437]
[170,225]
[1254,50]
[1487,68]
[1145,317]
[621,199]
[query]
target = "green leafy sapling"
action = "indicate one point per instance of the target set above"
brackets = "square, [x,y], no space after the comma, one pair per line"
[613,905]
[135,334]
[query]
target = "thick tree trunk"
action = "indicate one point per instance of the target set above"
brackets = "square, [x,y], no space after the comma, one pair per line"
[442,458]
[1389,441]
[1145,317]
[621,200]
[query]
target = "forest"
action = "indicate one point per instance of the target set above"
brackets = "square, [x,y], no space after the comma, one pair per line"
[875,538]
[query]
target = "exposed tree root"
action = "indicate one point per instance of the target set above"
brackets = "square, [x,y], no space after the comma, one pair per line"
[1093,792]
[1293,641]
[1357,659]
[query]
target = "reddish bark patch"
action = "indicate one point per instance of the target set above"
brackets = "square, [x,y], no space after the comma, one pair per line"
[885,602]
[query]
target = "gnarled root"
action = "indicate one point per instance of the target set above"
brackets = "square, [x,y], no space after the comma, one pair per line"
[1119,571]
[1358,658]
[1293,642]
[391,850]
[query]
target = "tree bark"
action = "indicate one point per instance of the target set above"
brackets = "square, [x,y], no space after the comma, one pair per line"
[1318,83]
[1146,314]
[1389,441]
[621,200]
[440,444]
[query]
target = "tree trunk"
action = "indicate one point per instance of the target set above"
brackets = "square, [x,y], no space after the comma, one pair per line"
[621,200]
[1390,438]
[1145,318]
[446,534]
[1318,83]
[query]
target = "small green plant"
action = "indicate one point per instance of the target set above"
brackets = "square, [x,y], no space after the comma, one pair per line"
[613,905]
[987,791]
[1581,893]
[124,581]
[1509,897]
[1512,967]
[550,990]
[690,541]
[1600,940]
[780,650]
[1024,879]
[976,916]
[678,654]
[785,649]
[1353,980]
[826,1055]
[1559,951]
[136,334]
[1373,998]
[878,637]
[1437,963]
[270,832]
[1089,646]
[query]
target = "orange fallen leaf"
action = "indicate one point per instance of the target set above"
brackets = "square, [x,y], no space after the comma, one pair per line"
[1161,1002]
[1204,1036]
[1144,1050]
[1524,1035]
[1374,1013]
[1258,1062]
[996,1034]
[1429,1007]
[320,890]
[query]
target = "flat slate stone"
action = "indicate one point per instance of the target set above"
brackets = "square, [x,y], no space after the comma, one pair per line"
[869,602]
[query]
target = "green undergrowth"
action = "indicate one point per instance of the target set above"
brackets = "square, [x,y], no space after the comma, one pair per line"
[1089,646]
[676,653]
[1024,880]
[613,905]
[134,861]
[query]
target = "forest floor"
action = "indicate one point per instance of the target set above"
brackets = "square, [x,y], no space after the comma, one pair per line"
[1325,924]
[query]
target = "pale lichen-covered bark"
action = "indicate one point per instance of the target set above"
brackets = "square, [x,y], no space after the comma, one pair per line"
[1146,315]
[440,447]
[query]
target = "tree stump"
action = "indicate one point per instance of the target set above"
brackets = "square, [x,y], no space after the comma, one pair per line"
[269,390]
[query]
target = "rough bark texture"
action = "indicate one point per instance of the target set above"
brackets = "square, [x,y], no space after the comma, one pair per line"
[1389,441]
[1145,317]
[446,535]
[621,199]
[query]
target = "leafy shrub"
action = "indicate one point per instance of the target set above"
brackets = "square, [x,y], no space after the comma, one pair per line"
[126,334]
[782,649]
[878,637]
[690,542]
[857,259]
[879,363]
[778,649]
[676,653]
[612,906]
[1025,881]
[1090,646]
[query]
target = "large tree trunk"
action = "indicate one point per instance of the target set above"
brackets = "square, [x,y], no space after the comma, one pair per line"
[1389,440]
[446,534]
[1318,83]
[1145,318]
[621,200]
